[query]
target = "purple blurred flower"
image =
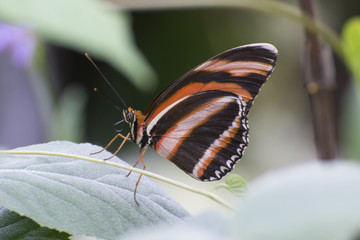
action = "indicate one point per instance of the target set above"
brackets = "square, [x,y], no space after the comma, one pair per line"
[19,42]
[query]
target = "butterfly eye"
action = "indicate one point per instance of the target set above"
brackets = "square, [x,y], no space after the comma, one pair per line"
[129,116]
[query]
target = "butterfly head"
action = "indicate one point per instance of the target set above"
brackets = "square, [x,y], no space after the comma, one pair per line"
[129,115]
[135,119]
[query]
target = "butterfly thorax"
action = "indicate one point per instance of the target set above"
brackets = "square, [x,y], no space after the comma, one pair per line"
[138,133]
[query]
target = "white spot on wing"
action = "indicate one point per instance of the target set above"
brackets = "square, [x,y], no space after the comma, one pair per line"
[218,174]
[224,169]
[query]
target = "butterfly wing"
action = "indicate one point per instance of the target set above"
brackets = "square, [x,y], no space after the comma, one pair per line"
[200,121]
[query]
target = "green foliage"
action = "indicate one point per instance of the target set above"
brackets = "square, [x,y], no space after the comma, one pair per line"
[79,197]
[351,116]
[87,26]
[351,45]
[13,227]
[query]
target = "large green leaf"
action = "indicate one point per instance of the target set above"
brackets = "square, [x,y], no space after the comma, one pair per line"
[311,201]
[79,197]
[86,26]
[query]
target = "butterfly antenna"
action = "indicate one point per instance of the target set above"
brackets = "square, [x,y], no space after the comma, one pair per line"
[107,81]
[116,104]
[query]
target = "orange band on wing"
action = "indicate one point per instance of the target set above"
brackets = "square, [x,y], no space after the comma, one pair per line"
[197,87]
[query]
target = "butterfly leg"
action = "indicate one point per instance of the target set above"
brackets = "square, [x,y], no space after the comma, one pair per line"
[138,181]
[137,162]
[112,140]
[123,142]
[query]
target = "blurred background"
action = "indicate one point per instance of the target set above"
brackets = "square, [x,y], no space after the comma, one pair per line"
[46,82]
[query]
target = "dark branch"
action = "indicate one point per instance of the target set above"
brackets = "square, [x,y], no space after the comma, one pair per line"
[319,80]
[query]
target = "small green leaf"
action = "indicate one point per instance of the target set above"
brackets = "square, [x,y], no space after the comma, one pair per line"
[14,227]
[351,45]
[86,26]
[236,184]
[80,197]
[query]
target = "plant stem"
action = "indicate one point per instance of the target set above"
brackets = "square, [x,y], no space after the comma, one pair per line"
[208,194]
[319,81]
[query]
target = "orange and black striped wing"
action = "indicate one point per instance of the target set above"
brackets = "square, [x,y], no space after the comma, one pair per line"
[200,121]
[208,138]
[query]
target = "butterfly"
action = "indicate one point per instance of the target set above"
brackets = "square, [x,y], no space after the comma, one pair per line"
[200,121]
